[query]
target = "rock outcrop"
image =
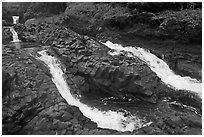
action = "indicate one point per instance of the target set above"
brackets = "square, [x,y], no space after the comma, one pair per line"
[87,59]
[185,64]
[38,108]
[6,35]
[36,105]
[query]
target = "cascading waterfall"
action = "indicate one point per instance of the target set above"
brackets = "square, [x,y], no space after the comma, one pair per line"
[15,35]
[120,120]
[159,67]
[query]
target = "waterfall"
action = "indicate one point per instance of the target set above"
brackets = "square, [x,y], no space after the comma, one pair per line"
[120,120]
[14,34]
[158,66]
[15,19]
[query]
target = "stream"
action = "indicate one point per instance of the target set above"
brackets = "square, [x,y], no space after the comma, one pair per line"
[121,119]
[160,67]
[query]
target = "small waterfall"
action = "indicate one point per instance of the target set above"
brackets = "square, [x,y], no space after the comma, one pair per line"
[15,19]
[120,120]
[15,35]
[159,67]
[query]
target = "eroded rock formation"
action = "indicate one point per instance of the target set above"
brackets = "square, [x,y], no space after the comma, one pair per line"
[38,108]
[119,75]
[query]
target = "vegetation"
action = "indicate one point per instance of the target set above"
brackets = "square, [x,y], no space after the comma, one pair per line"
[180,21]
[39,9]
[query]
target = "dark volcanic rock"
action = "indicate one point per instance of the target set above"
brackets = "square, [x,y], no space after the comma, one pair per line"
[184,25]
[185,64]
[6,35]
[25,34]
[90,60]
[6,83]
[36,106]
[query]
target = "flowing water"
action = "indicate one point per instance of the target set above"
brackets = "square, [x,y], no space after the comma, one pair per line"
[120,120]
[14,34]
[15,19]
[160,67]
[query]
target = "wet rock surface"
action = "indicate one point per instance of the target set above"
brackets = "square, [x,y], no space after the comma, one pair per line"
[118,76]
[134,24]
[184,64]
[37,107]
[146,25]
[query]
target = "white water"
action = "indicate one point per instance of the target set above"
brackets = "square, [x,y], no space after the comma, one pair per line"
[15,19]
[15,35]
[159,67]
[104,119]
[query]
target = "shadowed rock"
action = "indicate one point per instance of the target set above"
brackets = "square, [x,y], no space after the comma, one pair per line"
[6,83]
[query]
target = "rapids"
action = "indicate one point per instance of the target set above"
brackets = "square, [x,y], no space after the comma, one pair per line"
[158,66]
[120,120]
